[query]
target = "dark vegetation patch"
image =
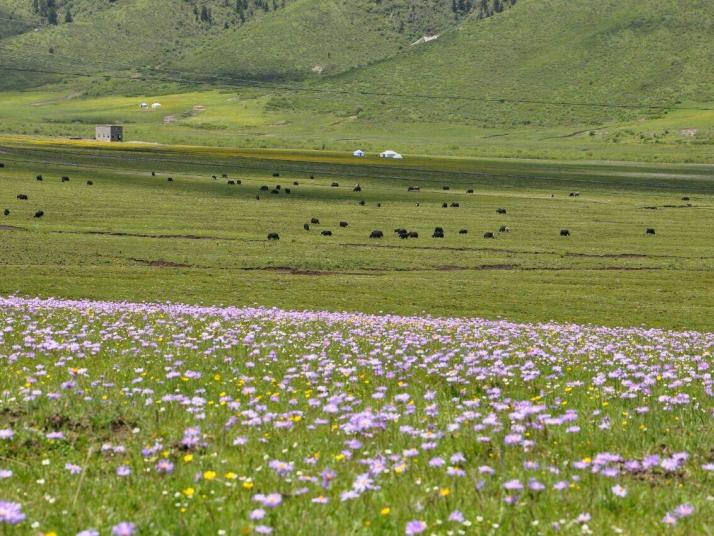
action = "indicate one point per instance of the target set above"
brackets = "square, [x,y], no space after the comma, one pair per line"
[161,263]
[141,235]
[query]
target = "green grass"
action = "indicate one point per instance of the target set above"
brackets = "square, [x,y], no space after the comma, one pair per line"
[546,80]
[543,79]
[125,237]
[543,52]
[251,120]
[122,384]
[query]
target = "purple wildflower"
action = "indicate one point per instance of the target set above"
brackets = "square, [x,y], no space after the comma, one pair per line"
[11,513]
[415,527]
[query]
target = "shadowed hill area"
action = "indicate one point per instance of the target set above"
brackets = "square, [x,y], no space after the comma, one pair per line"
[265,39]
[108,36]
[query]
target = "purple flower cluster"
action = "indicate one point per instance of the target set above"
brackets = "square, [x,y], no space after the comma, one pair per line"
[331,412]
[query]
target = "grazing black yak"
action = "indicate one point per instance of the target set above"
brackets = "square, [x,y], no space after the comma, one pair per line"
[376,234]
[273,236]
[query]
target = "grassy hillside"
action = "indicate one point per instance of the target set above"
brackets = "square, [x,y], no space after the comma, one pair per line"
[656,52]
[266,39]
[550,78]
[325,37]
[114,37]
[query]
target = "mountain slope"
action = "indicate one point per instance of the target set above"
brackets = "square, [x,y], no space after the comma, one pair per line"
[107,36]
[496,63]
[326,37]
[265,39]
[548,52]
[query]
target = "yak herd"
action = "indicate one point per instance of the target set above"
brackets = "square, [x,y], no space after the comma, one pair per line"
[375,234]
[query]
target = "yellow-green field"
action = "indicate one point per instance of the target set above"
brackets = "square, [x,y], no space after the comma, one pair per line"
[251,118]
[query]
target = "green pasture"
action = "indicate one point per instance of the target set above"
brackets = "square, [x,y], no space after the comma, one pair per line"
[251,118]
[135,236]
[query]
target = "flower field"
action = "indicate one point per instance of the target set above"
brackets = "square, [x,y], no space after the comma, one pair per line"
[120,418]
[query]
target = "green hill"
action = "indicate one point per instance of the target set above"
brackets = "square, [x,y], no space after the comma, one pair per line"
[326,37]
[543,53]
[504,74]
[265,39]
[109,36]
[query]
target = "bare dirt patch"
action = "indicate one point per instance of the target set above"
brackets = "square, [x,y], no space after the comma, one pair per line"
[141,235]
[316,273]
[450,268]
[161,263]
[608,255]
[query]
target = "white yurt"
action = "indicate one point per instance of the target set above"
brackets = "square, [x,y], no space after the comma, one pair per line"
[391,154]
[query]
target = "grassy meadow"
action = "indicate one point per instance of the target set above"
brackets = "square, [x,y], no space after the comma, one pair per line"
[128,419]
[201,335]
[138,237]
[264,119]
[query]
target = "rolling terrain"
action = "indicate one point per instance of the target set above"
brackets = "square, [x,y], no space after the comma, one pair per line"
[604,80]
[232,323]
